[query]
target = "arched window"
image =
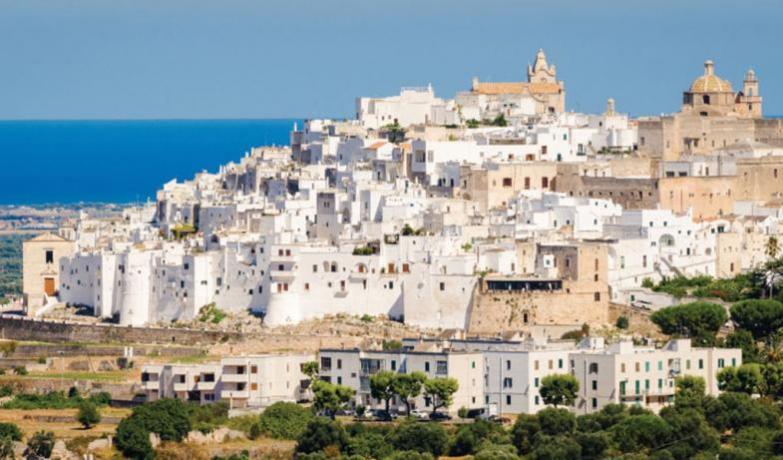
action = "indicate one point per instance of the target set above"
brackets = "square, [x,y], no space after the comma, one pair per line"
[706,99]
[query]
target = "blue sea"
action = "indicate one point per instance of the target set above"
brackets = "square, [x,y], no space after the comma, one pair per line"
[119,161]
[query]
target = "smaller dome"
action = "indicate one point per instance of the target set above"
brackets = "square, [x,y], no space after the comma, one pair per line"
[709,82]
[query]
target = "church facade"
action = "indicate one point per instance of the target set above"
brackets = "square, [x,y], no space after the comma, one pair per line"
[541,94]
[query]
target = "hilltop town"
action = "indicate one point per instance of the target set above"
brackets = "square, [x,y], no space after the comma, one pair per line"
[493,239]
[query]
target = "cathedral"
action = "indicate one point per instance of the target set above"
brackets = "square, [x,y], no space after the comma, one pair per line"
[713,116]
[542,93]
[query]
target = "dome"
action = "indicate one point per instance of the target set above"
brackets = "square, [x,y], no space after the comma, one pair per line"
[709,82]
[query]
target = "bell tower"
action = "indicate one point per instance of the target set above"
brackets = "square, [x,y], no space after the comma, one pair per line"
[749,101]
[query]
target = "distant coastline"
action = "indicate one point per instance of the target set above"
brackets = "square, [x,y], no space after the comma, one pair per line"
[87,162]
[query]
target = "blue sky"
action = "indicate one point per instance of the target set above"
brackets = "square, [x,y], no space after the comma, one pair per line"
[257,59]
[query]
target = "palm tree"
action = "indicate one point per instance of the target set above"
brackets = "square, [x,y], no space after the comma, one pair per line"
[773,247]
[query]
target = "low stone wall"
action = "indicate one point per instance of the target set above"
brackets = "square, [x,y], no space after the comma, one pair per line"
[19,328]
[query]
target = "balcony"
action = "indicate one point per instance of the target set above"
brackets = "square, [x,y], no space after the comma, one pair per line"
[237,378]
[234,394]
[282,274]
[150,385]
[181,387]
[205,386]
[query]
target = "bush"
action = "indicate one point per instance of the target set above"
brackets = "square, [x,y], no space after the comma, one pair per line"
[285,420]
[20,370]
[501,452]
[42,444]
[55,400]
[410,455]
[462,412]
[88,415]
[429,437]
[133,439]
[10,430]
[321,433]
[622,322]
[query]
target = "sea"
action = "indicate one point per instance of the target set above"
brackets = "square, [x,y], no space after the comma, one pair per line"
[68,162]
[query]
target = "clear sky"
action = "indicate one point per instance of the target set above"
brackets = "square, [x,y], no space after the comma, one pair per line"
[290,58]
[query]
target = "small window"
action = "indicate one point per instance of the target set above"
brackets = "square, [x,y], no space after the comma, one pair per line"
[49,256]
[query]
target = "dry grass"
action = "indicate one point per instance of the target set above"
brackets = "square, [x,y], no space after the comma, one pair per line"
[30,421]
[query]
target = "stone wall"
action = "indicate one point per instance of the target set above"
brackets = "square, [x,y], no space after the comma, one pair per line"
[18,328]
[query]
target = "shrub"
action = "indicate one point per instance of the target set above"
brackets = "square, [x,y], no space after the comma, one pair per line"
[285,420]
[622,322]
[321,433]
[133,439]
[88,415]
[20,370]
[410,455]
[42,444]
[10,430]
[430,437]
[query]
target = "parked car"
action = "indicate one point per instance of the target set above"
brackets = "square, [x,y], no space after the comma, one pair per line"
[419,415]
[382,415]
[440,416]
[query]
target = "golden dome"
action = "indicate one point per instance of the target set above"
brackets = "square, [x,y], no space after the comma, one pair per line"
[709,82]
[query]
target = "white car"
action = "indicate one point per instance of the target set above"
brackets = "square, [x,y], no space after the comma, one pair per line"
[421,415]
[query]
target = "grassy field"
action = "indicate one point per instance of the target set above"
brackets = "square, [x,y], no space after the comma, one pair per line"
[70,376]
[31,421]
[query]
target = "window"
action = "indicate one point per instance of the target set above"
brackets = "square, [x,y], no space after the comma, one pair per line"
[339,364]
[701,364]
[427,366]
[508,382]
[535,365]
[506,182]
[442,367]
[508,399]
[622,388]
[254,386]
[535,382]
[536,400]
[49,256]
[721,363]
[326,364]
[394,365]
[508,364]
[442,286]
[527,183]
[254,369]
[597,297]
[595,385]
[339,380]
[595,403]
[647,366]
[593,368]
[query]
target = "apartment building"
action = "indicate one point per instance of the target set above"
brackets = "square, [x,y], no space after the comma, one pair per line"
[354,367]
[643,376]
[244,382]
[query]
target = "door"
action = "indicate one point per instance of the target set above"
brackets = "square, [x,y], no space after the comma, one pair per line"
[49,286]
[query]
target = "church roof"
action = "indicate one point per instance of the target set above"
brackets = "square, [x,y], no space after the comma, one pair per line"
[709,82]
[494,88]
[48,237]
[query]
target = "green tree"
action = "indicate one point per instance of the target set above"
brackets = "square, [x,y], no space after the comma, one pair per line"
[133,439]
[409,455]
[691,433]
[310,369]
[285,420]
[559,389]
[10,430]
[524,431]
[441,391]
[554,421]
[556,448]
[330,398]
[382,387]
[622,322]
[641,433]
[689,391]
[743,339]
[425,438]
[734,411]
[321,433]
[593,444]
[409,386]
[744,379]
[497,452]
[88,415]
[698,320]
[761,317]
[41,444]
[472,123]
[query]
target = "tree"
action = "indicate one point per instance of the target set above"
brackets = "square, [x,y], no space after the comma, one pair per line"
[285,420]
[472,123]
[440,390]
[744,340]
[408,386]
[88,415]
[762,318]
[772,248]
[382,386]
[41,444]
[10,430]
[497,452]
[559,389]
[330,398]
[640,432]
[310,369]
[524,431]
[622,322]
[690,391]
[734,411]
[133,439]
[424,438]
[556,448]
[320,434]
[554,421]
[698,320]
[744,379]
